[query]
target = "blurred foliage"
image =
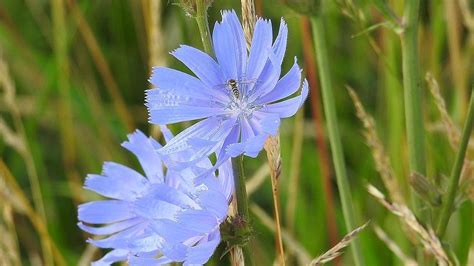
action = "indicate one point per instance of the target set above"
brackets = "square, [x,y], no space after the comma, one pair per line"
[80,68]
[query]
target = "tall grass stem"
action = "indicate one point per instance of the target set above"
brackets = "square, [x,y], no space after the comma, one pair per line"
[456,172]
[333,132]
[412,90]
[321,144]
[413,98]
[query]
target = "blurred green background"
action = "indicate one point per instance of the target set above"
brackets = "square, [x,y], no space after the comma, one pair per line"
[72,82]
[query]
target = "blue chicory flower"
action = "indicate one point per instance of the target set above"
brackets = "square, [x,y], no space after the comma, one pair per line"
[160,217]
[239,97]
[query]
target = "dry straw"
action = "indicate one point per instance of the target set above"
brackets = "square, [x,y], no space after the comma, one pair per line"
[452,131]
[454,136]
[337,250]
[427,237]
[291,243]
[407,261]
[382,162]
[19,136]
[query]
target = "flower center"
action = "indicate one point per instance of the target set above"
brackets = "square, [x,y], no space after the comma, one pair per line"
[239,103]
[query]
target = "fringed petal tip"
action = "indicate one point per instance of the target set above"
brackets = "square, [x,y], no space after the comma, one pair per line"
[304,92]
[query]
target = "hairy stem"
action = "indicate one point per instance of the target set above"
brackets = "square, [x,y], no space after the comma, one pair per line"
[456,171]
[203,25]
[333,132]
[242,227]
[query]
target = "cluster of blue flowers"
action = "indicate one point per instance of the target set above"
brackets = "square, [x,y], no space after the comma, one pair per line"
[174,215]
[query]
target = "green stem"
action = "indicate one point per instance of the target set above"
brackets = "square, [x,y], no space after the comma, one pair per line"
[456,171]
[413,100]
[412,84]
[203,25]
[334,138]
[243,226]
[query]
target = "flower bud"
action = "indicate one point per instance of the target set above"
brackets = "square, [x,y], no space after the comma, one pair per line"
[304,7]
[189,6]
[425,189]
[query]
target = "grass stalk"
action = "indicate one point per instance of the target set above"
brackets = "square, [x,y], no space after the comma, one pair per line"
[412,89]
[22,205]
[295,166]
[65,116]
[102,66]
[448,203]
[457,66]
[321,144]
[413,99]
[272,147]
[27,155]
[333,132]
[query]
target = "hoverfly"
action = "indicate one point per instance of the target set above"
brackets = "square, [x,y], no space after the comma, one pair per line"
[235,87]
[232,84]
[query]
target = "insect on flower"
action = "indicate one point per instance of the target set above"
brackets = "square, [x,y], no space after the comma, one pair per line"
[160,217]
[236,86]
[238,97]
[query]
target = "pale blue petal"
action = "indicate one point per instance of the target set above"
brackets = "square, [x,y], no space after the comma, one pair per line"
[285,87]
[111,228]
[201,253]
[231,18]
[120,239]
[155,208]
[215,202]
[166,133]
[260,49]
[118,182]
[226,179]
[212,131]
[176,252]
[233,137]
[141,146]
[271,72]
[224,49]
[171,195]
[105,211]
[279,46]
[202,221]
[168,108]
[141,261]
[229,45]
[182,180]
[289,107]
[246,130]
[147,244]
[179,83]
[172,232]
[264,122]
[251,147]
[121,174]
[205,68]
[113,256]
